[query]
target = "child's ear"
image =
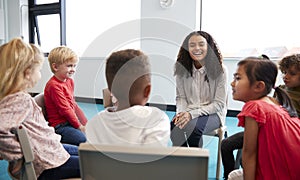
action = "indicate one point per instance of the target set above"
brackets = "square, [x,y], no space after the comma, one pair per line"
[27,73]
[54,66]
[260,86]
[147,90]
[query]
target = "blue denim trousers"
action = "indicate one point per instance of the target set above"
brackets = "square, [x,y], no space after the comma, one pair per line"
[70,169]
[191,134]
[70,135]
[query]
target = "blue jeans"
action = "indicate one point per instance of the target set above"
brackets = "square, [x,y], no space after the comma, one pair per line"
[70,135]
[191,134]
[70,169]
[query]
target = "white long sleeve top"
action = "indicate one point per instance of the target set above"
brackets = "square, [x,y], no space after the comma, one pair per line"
[200,95]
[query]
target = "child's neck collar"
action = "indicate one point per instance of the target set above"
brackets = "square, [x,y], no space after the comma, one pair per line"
[62,80]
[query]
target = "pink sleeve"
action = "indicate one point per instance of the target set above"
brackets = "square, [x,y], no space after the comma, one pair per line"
[253,109]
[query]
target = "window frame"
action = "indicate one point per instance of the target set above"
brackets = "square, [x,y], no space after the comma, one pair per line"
[36,10]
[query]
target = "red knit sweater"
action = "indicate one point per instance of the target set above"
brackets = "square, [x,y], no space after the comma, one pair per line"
[60,103]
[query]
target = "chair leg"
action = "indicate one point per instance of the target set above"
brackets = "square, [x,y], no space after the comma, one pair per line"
[238,159]
[221,137]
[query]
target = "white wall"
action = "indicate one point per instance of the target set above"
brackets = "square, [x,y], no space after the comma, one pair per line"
[13,16]
[161,38]
[13,19]
[89,78]
[162,32]
[231,66]
[2,20]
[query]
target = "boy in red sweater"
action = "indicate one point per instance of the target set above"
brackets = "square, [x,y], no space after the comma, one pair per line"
[63,113]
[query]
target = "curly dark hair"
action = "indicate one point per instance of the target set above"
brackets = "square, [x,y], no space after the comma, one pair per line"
[290,61]
[184,64]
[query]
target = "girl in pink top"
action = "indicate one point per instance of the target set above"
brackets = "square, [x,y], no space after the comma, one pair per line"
[271,136]
[20,65]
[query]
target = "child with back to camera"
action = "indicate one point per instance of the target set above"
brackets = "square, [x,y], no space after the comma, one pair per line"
[130,122]
[271,126]
[20,65]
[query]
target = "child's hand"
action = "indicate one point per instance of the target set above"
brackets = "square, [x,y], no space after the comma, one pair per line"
[82,128]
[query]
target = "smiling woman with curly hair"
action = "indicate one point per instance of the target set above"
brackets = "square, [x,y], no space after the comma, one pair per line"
[201,90]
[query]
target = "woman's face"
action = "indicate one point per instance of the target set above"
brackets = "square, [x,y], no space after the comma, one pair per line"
[197,47]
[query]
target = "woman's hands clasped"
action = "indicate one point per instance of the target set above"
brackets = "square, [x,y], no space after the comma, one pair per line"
[181,119]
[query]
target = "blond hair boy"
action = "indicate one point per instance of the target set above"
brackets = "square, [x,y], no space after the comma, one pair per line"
[63,112]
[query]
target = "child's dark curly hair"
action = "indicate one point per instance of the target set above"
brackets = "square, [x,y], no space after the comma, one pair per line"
[290,61]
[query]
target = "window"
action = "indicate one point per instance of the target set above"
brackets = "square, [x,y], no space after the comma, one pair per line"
[47,23]
[80,23]
[49,29]
[243,28]
[90,20]
[46,1]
